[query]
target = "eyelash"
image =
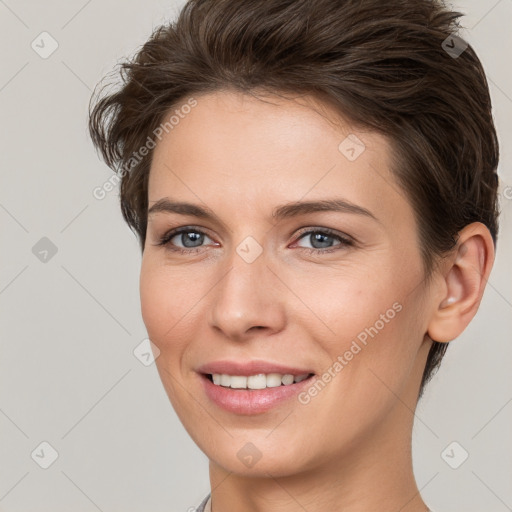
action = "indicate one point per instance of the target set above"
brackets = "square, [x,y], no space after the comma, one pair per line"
[344,240]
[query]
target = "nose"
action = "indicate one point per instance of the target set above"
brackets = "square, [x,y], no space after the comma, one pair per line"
[248,300]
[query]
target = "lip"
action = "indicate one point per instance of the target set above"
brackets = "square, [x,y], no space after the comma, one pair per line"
[246,368]
[251,401]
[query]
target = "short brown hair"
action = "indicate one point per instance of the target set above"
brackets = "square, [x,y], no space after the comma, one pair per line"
[385,66]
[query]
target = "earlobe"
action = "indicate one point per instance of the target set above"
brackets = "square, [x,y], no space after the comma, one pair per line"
[463,283]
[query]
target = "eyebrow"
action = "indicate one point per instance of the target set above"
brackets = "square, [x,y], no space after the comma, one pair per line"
[279,213]
[324,205]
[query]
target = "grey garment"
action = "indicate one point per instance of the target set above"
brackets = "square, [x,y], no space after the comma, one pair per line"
[203,504]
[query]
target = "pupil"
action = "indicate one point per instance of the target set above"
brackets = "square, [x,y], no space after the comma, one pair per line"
[190,237]
[321,239]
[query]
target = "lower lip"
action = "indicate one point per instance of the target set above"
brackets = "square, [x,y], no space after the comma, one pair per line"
[252,401]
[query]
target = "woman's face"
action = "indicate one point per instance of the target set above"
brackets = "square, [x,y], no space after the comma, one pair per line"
[298,250]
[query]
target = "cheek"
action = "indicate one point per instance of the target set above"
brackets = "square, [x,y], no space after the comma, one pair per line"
[344,303]
[369,319]
[164,301]
[153,300]
[173,303]
[167,307]
[370,355]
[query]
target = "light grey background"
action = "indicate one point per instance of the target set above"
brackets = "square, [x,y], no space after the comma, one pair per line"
[68,375]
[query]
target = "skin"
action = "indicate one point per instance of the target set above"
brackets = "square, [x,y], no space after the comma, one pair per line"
[349,448]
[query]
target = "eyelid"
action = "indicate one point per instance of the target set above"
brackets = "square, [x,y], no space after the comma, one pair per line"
[322,229]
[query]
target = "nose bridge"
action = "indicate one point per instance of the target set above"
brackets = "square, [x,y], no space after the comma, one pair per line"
[245,296]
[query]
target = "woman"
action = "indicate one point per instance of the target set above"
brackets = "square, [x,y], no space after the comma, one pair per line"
[314,187]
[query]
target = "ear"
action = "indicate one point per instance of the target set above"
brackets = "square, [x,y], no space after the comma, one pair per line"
[464,276]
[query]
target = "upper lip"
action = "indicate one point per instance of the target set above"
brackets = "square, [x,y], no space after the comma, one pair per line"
[252,367]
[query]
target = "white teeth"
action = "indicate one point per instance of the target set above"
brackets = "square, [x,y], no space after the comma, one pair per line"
[287,379]
[273,380]
[238,381]
[259,381]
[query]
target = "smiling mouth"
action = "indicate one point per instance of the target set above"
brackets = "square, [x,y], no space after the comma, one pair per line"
[257,381]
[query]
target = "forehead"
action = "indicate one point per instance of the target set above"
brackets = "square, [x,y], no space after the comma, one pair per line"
[249,153]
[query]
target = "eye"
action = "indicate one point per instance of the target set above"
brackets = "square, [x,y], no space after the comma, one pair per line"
[186,239]
[323,240]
